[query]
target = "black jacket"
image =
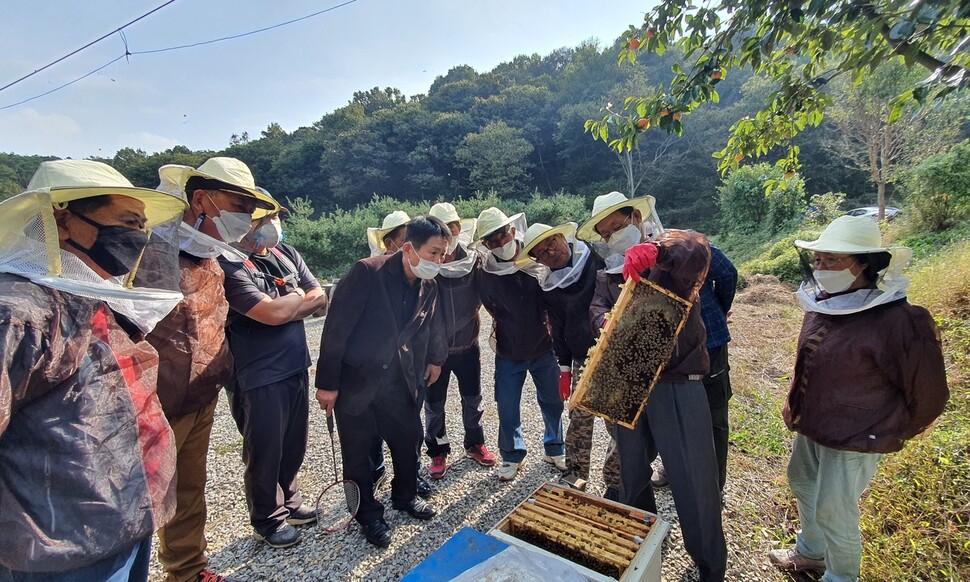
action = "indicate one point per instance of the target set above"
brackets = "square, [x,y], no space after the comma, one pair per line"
[460,305]
[363,346]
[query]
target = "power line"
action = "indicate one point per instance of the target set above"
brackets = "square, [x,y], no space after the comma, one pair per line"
[93,42]
[69,83]
[128,53]
[235,36]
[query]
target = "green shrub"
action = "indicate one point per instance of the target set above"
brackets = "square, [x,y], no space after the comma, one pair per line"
[824,208]
[940,189]
[780,259]
[759,199]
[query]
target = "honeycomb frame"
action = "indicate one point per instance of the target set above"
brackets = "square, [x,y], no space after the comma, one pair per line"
[616,380]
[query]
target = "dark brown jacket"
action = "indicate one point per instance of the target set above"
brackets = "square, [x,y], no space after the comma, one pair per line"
[521,329]
[363,347]
[867,381]
[191,340]
[681,268]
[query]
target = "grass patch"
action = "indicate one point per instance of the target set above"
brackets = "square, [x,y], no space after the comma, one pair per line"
[232,448]
[916,513]
[916,517]
[757,428]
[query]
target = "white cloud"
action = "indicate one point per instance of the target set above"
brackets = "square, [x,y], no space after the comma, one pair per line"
[147,141]
[37,133]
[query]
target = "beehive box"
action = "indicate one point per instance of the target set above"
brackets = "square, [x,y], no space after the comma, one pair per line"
[603,540]
[630,352]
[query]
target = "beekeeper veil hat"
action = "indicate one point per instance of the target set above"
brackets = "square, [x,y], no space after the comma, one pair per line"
[29,241]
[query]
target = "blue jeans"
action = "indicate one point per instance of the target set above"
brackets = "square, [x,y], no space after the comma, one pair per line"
[509,379]
[130,565]
[828,484]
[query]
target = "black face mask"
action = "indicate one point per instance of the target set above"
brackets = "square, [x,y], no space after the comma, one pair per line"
[116,248]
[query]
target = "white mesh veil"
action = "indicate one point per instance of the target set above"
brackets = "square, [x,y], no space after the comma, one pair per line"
[191,239]
[29,248]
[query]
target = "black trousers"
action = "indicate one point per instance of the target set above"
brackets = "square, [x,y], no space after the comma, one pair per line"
[717,384]
[393,416]
[273,421]
[467,367]
[676,423]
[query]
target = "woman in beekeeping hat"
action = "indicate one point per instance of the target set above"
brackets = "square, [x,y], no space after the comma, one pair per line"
[869,375]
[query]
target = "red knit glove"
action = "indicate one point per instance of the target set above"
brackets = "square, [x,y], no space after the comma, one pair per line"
[565,385]
[638,259]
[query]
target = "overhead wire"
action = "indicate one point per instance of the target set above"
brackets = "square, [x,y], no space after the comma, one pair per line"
[241,35]
[92,43]
[69,83]
[130,53]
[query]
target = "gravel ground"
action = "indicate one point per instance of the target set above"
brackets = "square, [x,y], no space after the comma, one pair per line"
[468,495]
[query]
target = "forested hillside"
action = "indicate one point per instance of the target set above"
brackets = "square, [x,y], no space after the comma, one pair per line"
[516,130]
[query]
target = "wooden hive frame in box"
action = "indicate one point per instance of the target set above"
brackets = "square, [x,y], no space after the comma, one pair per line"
[639,337]
[599,535]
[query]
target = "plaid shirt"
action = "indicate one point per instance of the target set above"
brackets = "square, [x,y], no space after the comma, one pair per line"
[717,295]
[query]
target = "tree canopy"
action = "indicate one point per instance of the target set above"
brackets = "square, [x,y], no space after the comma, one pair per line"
[515,131]
[801,46]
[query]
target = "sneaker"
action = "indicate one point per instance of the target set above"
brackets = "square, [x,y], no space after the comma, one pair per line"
[417,508]
[284,537]
[791,560]
[302,515]
[210,576]
[508,471]
[559,461]
[439,464]
[424,488]
[659,477]
[377,532]
[481,455]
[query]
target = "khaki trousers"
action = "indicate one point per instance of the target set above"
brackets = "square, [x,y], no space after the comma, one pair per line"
[181,542]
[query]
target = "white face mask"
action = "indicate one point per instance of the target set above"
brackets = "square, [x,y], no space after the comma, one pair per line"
[231,226]
[621,240]
[452,245]
[506,252]
[425,269]
[269,234]
[835,281]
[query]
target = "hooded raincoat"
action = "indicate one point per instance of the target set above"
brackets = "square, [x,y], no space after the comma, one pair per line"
[100,476]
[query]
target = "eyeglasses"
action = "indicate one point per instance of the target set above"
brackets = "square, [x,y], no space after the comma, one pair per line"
[606,234]
[827,263]
[546,247]
[495,239]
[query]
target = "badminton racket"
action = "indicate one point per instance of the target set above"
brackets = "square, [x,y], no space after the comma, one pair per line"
[337,504]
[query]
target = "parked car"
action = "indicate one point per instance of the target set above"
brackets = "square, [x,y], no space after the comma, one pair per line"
[873,212]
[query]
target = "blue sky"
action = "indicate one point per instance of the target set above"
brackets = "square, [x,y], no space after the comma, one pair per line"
[198,97]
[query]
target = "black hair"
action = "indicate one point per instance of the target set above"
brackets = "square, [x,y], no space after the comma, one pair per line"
[421,228]
[874,262]
[87,205]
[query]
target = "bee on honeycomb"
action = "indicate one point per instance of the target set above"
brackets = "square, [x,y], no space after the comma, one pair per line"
[631,352]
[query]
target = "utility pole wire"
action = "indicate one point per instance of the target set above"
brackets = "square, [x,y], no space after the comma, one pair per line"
[93,42]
